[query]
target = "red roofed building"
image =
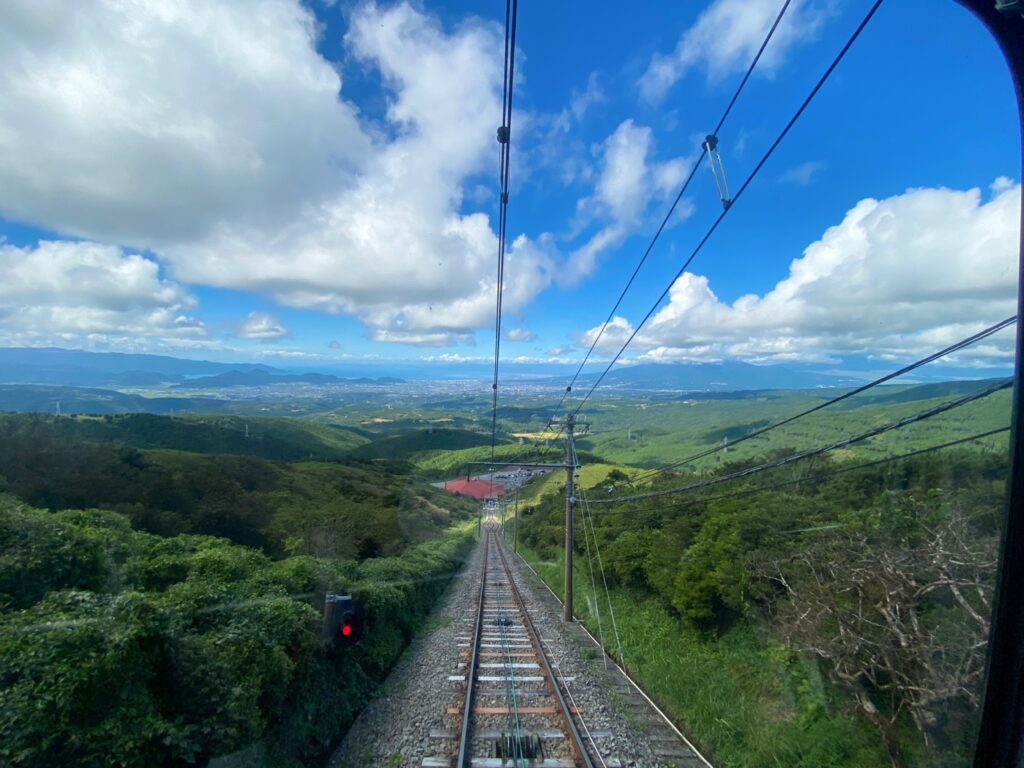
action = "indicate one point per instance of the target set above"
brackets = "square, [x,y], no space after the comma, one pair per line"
[476,489]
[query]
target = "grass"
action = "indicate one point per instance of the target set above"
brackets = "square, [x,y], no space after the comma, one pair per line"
[649,434]
[743,698]
[590,475]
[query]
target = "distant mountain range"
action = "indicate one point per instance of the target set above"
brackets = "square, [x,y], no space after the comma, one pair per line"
[73,367]
[77,368]
[717,377]
[114,370]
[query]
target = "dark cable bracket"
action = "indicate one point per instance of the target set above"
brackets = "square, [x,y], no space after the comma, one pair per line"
[710,146]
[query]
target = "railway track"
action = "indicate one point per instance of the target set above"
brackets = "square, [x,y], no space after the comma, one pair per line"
[515,711]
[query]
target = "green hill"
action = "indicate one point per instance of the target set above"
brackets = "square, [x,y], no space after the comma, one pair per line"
[324,508]
[408,445]
[43,398]
[267,437]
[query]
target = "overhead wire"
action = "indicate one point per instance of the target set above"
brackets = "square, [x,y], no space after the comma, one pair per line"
[739,193]
[593,585]
[693,171]
[824,475]
[972,339]
[589,513]
[504,154]
[799,456]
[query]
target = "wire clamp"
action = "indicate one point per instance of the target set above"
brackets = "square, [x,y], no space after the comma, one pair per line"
[503,134]
[710,146]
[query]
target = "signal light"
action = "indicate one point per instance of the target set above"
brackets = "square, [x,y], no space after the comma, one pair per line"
[344,619]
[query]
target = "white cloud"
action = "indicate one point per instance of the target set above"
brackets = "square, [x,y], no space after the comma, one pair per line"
[613,334]
[393,249]
[147,122]
[75,292]
[420,339]
[896,278]
[455,357]
[521,334]
[727,35]
[558,352]
[559,359]
[622,188]
[629,181]
[583,100]
[803,174]
[262,327]
[217,136]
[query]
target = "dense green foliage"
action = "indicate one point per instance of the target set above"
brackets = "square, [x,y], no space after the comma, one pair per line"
[657,431]
[842,619]
[410,445]
[327,508]
[268,438]
[122,648]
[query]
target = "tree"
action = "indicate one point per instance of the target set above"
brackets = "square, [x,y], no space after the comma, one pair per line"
[901,621]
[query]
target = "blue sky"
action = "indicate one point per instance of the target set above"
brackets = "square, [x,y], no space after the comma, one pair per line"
[315,184]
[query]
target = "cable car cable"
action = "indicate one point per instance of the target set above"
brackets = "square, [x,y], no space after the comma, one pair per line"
[891,426]
[771,150]
[825,475]
[845,396]
[682,191]
[504,137]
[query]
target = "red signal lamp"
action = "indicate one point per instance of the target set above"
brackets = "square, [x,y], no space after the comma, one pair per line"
[344,620]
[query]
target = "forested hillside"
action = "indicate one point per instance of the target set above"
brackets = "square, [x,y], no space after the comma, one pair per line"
[325,508]
[838,619]
[123,648]
[267,437]
[163,581]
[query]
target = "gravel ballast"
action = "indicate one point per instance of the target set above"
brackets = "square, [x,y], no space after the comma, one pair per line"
[394,729]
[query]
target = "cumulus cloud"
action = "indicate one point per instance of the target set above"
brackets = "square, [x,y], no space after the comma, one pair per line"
[628,182]
[148,122]
[422,339]
[521,334]
[559,352]
[896,278]
[611,335]
[218,137]
[78,292]
[261,327]
[393,249]
[727,35]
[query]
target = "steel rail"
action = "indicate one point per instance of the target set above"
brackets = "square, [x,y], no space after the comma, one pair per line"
[622,670]
[515,724]
[579,747]
[465,755]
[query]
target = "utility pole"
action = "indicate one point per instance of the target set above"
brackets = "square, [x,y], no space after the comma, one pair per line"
[570,502]
[515,527]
